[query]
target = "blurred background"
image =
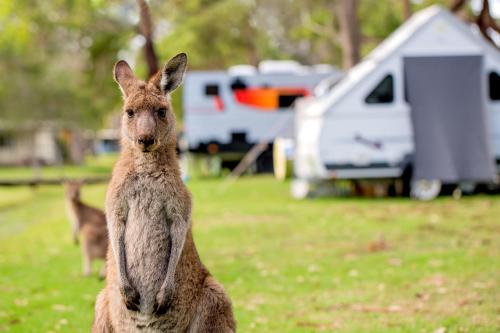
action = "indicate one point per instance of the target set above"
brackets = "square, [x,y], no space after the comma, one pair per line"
[343,155]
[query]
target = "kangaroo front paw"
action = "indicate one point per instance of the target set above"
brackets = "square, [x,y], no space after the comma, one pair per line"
[131,298]
[163,301]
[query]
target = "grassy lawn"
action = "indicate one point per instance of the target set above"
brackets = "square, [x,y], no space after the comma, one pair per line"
[94,167]
[343,265]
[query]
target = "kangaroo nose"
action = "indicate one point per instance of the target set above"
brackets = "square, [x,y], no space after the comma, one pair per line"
[146,141]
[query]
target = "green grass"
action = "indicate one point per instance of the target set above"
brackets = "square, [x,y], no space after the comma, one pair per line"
[93,167]
[343,265]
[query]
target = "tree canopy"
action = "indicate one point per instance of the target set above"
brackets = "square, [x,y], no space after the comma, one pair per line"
[57,56]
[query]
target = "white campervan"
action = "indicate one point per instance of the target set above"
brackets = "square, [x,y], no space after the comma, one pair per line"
[423,106]
[227,112]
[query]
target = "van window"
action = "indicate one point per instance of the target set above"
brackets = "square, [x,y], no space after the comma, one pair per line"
[383,92]
[287,100]
[238,84]
[212,90]
[6,139]
[494,84]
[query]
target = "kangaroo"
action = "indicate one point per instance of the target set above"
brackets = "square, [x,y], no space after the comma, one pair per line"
[155,281]
[90,222]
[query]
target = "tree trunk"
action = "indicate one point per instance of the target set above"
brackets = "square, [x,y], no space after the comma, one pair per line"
[484,21]
[146,30]
[77,147]
[349,32]
[406,9]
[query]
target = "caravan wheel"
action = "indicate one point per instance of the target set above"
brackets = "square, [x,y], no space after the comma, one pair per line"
[300,188]
[425,190]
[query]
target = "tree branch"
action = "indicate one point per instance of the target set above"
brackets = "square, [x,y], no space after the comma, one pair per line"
[146,30]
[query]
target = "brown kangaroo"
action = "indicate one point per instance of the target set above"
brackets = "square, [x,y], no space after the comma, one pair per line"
[90,222]
[155,279]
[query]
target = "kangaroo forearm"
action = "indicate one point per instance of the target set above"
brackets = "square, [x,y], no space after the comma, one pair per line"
[117,240]
[178,231]
[122,260]
[177,245]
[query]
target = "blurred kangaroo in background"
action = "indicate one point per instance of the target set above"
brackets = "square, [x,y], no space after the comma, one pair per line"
[155,279]
[90,222]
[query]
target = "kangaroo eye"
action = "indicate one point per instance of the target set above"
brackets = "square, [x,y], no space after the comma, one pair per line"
[162,112]
[130,113]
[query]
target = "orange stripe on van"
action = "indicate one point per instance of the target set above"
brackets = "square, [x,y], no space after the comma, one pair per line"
[266,99]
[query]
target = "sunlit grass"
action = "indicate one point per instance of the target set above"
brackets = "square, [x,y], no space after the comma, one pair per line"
[347,265]
[94,166]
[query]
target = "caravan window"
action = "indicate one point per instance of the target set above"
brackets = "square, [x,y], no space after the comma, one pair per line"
[238,84]
[287,100]
[383,92]
[212,90]
[6,139]
[494,84]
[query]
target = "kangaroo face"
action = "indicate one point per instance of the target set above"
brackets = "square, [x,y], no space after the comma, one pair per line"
[148,121]
[72,190]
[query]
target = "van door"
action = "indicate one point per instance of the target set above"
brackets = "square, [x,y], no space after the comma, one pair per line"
[449,118]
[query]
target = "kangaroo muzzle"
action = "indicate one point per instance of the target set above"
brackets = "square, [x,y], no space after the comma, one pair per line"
[146,129]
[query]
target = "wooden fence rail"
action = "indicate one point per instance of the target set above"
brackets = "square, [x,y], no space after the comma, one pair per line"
[51,181]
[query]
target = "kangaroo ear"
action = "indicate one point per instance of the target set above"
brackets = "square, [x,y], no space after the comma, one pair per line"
[172,74]
[124,76]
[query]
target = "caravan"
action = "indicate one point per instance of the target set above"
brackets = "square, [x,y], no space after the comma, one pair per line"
[423,107]
[227,112]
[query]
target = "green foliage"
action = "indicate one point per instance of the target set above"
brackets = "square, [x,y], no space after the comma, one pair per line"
[215,34]
[379,21]
[57,55]
[56,60]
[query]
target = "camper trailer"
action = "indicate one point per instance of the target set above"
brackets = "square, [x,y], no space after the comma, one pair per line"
[423,107]
[227,112]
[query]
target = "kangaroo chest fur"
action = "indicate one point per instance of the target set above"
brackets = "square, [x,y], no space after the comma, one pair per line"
[151,199]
